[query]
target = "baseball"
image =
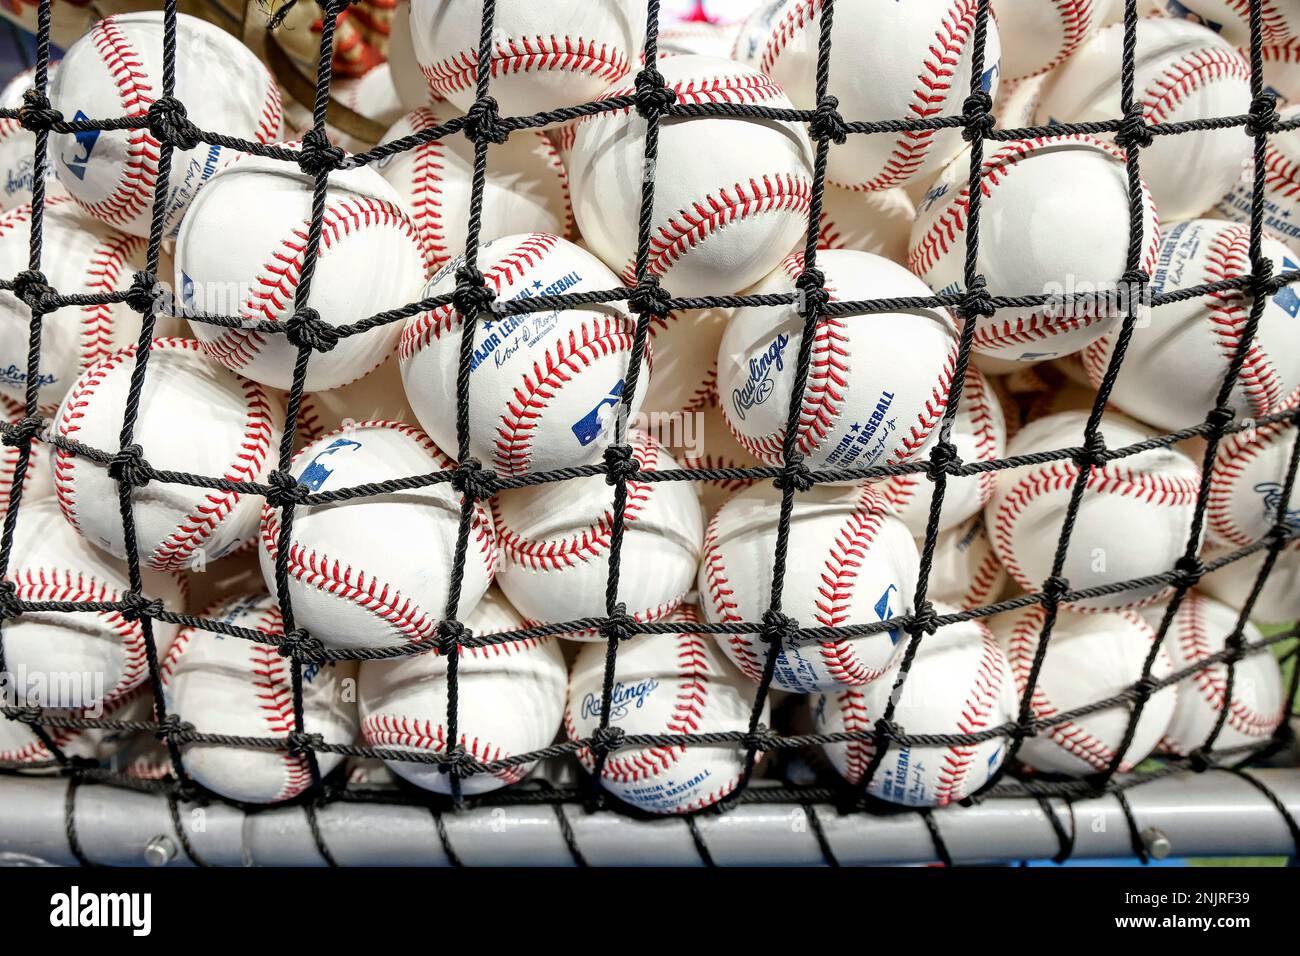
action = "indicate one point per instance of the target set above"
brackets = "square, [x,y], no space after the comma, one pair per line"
[852,562]
[926,74]
[1200,630]
[18,146]
[966,572]
[1279,19]
[372,95]
[1176,360]
[1184,72]
[1133,520]
[545,386]
[878,383]
[544,55]
[664,684]
[1247,480]
[20,745]
[1038,35]
[879,222]
[510,702]
[38,479]
[370,260]
[116,70]
[77,660]
[960,682]
[685,347]
[1090,658]
[233,429]
[710,445]
[979,433]
[1279,600]
[736,195]
[1020,182]
[555,540]
[352,589]
[1281,185]
[526,189]
[81,257]
[238,687]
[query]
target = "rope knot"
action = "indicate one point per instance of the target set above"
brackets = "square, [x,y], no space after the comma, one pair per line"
[1220,417]
[36,113]
[1055,589]
[605,739]
[172,726]
[1199,760]
[483,121]
[619,626]
[1093,452]
[763,740]
[168,123]
[827,123]
[944,460]
[649,296]
[145,292]
[620,465]
[449,635]
[129,467]
[457,762]
[794,474]
[317,154]
[285,489]
[136,606]
[301,744]
[10,606]
[306,329]
[299,643]
[474,481]
[1262,280]
[778,627]
[1133,129]
[1264,116]
[472,294]
[1188,571]
[925,619]
[977,116]
[976,301]
[1144,688]
[19,433]
[888,730]
[652,96]
[34,290]
[811,289]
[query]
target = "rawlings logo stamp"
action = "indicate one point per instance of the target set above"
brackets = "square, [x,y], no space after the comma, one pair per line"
[759,386]
[624,698]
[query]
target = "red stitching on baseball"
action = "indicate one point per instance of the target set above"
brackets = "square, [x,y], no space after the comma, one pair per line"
[526,55]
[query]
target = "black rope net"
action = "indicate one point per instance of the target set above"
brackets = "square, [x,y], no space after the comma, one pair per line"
[653,100]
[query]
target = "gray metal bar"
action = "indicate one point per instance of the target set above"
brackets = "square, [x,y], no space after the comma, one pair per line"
[1211,814]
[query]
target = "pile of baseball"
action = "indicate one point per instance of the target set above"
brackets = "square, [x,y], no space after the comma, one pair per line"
[730,215]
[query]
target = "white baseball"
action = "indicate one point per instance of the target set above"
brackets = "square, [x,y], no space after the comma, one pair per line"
[544,55]
[1281,185]
[710,444]
[555,540]
[685,375]
[1200,630]
[1038,35]
[116,70]
[1246,482]
[731,195]
[664,684]
[546,386]
[238,687]
[959,683]
[1133,521]
[878,383]
[851,562]
[979,433]
[966,572]
[1278,601]
[1176,360]
[38,480]
[1184,72]
[376,397]
[369,261]
[18,146]
[232,428]
[1022,195]
[1280,19]
[1090,658]
[879,222]
[20,745]
[924,71]
[350,584]
[83,659]
[510,702]
[81,257]
[526,190]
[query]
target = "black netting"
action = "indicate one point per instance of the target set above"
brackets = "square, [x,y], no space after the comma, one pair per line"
[484,126]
